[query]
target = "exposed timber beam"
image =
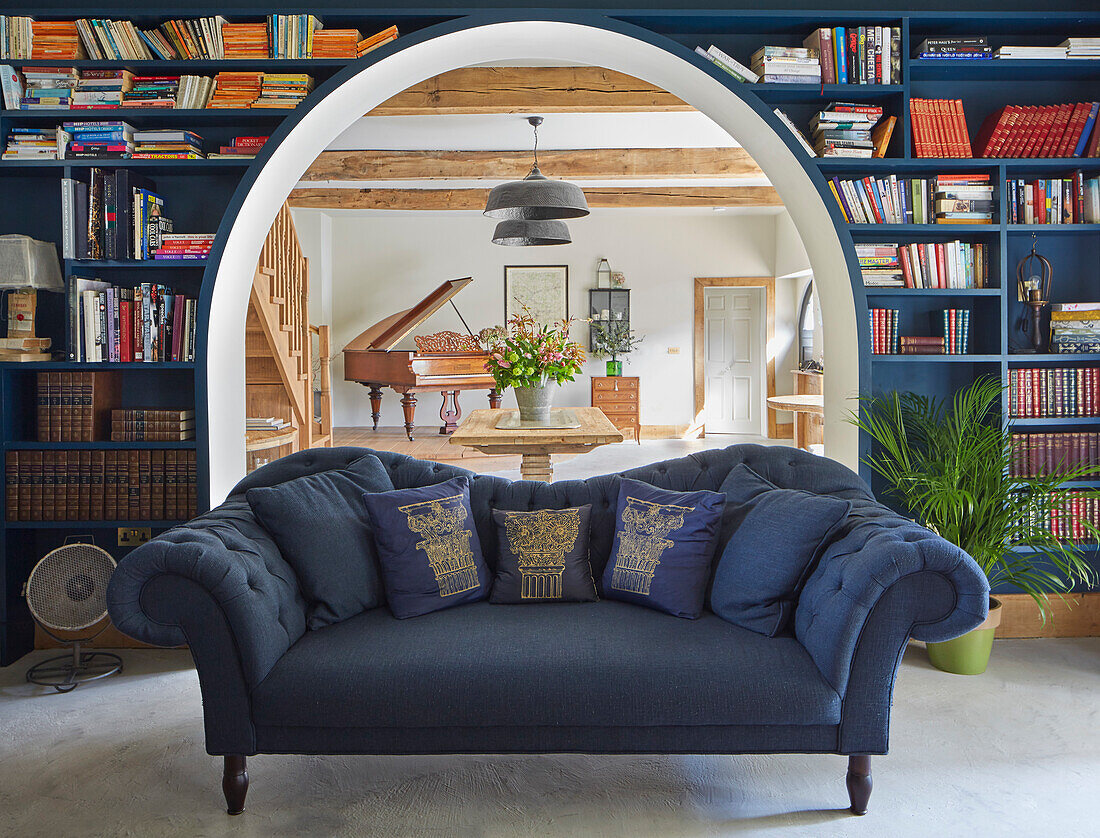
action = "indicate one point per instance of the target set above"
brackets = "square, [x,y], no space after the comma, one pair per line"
[474,199]
[481,90]
[576,164]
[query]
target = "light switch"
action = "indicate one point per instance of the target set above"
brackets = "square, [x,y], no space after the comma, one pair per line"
[674,350]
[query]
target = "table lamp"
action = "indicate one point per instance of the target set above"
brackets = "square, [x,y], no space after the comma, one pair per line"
[26,266]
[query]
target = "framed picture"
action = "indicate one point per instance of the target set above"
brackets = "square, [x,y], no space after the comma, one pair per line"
[544,289]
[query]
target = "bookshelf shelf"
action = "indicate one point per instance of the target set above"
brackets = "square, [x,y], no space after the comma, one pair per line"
[195,165]
[1053,421]
[947,71]
[932,292]
[74,525]
[773,92]
[106,445]
[197,66]
[878,165]
[1056,357]
[1059,229]
[949,230]
[159,366]
[937,359]
[141,264]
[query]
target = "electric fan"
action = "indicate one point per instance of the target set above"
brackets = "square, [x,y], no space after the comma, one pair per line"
[67,592]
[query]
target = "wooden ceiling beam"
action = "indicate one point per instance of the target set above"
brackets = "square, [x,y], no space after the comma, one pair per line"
[481,90]
[474,199]
[574,164]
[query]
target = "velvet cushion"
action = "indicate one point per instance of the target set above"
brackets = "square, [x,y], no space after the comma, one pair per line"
[543,556]
[321,528]
[428,546]
[663,546]
[780,535]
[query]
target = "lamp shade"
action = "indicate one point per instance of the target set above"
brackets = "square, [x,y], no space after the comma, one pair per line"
[536,198]
[29,263]
[517,233]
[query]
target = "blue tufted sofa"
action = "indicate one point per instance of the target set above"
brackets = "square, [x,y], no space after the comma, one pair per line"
[603,677]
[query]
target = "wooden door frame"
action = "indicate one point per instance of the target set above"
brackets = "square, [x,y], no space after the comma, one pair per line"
[768,284]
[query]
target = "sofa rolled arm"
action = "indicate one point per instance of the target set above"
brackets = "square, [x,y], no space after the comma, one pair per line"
[888,579]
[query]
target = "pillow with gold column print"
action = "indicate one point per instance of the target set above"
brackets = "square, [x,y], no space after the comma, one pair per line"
[428,547]
[543,556]
[663,547]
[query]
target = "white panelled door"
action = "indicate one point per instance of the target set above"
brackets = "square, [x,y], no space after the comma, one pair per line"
[733,360]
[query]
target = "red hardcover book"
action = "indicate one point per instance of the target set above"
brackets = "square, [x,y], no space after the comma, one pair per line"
[1043,128]
[1024,117]
[965,149]
[1071,131]
[1061,120]
[916,128]
[906,267]
[941,276]
[992,125]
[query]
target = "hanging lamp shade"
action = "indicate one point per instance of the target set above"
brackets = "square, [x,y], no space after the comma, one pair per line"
[536,197]
[519,233]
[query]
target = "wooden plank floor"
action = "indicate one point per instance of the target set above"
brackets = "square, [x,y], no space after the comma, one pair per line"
[429,444]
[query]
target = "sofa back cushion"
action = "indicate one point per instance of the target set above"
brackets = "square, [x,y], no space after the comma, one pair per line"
[320,526]
[428,546]
[543,556]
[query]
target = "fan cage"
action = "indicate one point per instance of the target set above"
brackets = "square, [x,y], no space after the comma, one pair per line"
[67,589]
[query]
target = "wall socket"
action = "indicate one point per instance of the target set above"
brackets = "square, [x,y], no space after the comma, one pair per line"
[133,536]
[674,350]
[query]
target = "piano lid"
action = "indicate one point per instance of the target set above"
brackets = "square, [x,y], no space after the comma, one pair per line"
[386,334]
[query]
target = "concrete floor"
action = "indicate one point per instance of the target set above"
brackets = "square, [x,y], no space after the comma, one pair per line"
[1014,752]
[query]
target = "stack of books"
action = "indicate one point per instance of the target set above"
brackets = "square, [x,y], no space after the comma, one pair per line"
[112,40]
[265,423]
[184,246]
[1069,200]
[1046,392]
[48,88]
[336,43]
[1082,47]
[291,36]
[15,37]
[152,92]
[35,144]
[102,89]
[939,128]
[99,140]
[884,331]
[56,40]
[152,425]
[858,54]
[963,199]
[843,129]
[955,49]
[1075,328]
[236,90]
[240,147]
[194,92]
[1030,53]
[167,144]
[1066,130]
[921,345]
[879,265]
[1053,453]
[245,40]
[375,41]
[283,90]
[728,64]
[956,330]
[786,65]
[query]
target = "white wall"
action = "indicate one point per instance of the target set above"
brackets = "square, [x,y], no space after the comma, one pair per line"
[385,262]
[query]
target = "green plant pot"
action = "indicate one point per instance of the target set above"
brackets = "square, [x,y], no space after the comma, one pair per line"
[968,654]
[614,368]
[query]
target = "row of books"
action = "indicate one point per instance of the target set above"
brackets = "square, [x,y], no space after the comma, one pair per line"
[978,48]
[938,127]
[1065,130]
[239,89]
[858,54]
[119,142]
[884,331]
[1068,200]
[1053,392]
[74,406]
[147,323]
[885,340]
[1034,455]
[115,214]
[205,38]
[1073,516]
[944,199]
[953,264]
[101,485]
[152,425]
[1077,331]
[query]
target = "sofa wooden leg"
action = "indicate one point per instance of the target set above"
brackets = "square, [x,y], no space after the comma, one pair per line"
[235,783]
[859,783]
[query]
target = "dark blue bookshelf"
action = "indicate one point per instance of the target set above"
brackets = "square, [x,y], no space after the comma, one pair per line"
[202,195]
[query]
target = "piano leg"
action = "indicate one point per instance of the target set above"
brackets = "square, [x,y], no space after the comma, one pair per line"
[408,405]
[450,416]
[494,399]
[375,403]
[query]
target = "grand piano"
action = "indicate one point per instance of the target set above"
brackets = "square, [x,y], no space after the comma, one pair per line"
[446,362]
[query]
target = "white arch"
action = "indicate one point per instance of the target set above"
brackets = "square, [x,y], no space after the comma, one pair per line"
[528,40]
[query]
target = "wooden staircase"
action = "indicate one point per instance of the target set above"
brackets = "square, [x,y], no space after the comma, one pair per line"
[280,351]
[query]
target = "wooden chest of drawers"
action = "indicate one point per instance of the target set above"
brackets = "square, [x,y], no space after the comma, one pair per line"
[617,397]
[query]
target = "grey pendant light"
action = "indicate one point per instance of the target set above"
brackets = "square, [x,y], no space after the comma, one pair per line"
[519,233]
[536,197]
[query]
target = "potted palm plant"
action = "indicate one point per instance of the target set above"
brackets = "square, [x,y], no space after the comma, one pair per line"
[611,340]
[530,357]
[949,465]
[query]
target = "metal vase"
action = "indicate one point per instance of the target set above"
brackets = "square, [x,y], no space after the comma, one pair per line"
[534,403]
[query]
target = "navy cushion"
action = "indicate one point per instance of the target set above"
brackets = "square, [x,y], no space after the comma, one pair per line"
[780,536]
[320,527]
[429,549]
[664,543]
[605,664]
[543,556]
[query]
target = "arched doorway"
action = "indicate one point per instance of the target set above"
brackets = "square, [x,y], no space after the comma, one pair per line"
[621,47]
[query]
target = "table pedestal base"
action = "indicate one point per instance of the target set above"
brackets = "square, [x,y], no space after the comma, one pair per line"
[536,467]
